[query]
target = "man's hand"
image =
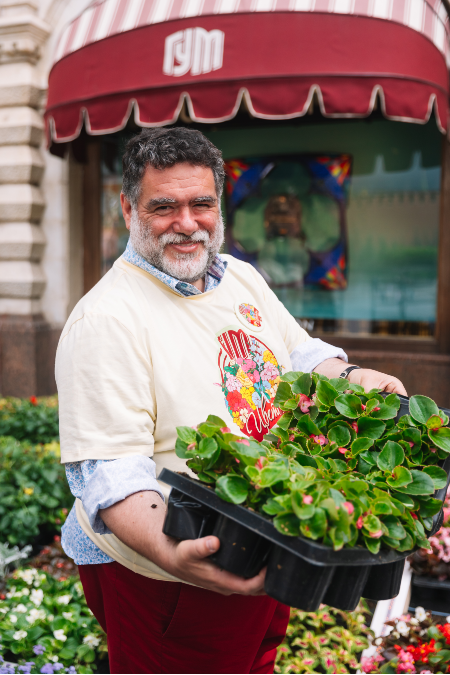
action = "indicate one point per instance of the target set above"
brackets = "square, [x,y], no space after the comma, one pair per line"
[373,379]
[137,523]
[369,379]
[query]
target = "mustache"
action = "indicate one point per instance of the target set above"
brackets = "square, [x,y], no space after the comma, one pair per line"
[178,238]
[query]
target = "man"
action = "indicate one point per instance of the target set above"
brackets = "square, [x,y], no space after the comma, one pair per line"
[144,352]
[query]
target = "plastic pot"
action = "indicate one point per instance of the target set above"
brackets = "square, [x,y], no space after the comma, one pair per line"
[384,581]
[187,518]
[241,552]
[430,593]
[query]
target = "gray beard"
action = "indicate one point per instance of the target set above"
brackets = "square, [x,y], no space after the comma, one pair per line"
[188,267]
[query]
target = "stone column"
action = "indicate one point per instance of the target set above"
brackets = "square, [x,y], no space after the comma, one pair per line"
[24,334]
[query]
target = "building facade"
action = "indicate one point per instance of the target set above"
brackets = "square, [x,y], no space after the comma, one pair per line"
[332,120]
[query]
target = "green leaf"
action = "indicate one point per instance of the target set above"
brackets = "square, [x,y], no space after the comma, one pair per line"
[302,385]
[386,412]
[430,507]
[326,393]
[272,508]
[360,445]
[396,529]
[408,502]
[232,489]
[301,510]
[441,438]
[339,383]
[413,435]
[273,473]
[399,477]
[370,428]
[248,454]
[434,422]
[421,484]
[316,527]
[287,524]
[421,408]
[217,421]
[284,392]
[437,475]
[369,456]
[208,429]
[391,456]
[406,544]
[206,448]
[373,545]
[348,405]
[290,404]
[66,653]
[285,421]
[187,434]
[371,524]
[290,377]
[306,425]
[381,507]
[339,435]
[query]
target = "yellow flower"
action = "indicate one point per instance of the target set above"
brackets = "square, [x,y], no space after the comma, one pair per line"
[243,378]
[268,356]
[28,491]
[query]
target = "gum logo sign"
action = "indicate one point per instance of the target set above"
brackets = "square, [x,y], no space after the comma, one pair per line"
[250,377]
[194,49]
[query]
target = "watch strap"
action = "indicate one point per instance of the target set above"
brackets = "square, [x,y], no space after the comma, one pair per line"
[345,373]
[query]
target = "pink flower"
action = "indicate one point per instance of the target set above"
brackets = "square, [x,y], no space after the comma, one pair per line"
[291,437]
[320,440]
[376,535]
[307,499]
[191,446]
[355,427]
[342,450]
[225,430]
[244,441]
[259,464]
[237,460]
[411,444]
[363,406]
[433,450]
[304,403]
[254,376]
[359,522]
[349,507]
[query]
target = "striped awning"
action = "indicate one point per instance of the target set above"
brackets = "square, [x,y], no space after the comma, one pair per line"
[155,55]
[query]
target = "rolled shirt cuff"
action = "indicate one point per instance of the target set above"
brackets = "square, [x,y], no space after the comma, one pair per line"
[308,355]
[111,482]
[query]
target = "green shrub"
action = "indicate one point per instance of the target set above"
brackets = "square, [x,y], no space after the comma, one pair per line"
[51,616]
[34,494]
[326,641]
[34,420]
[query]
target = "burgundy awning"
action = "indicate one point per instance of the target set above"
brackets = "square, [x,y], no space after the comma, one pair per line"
[275,59]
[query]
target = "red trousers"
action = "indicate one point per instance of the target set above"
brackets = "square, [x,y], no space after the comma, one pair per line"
[167,627]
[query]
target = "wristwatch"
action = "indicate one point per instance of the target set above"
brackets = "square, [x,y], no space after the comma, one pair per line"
[345,373]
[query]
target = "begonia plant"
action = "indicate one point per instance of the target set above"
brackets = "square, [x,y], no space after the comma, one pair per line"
[337,468]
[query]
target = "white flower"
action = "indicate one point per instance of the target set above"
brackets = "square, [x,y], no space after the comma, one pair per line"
[28,575]
[37,596]
[84,625]
[3,610]
[388,629]
[67,615]
[64,599]
[25,591]
[20,634]
[414,622]
[421,614]
[50,617]
[91,641]
[378,641]
[52,658]
[13,618]
[447,619]
[395,634]
[402,628]
[60,635]
[36,615]
[21,608]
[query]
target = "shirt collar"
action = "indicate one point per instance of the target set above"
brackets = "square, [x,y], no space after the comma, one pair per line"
[213,276]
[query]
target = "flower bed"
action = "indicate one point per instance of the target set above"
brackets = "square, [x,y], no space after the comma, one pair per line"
[326,641]
[415,644]
[46,626]
[435,563]
[33,420]
[34,494]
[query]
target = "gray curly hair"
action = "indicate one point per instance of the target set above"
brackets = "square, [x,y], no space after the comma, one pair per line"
[163,148]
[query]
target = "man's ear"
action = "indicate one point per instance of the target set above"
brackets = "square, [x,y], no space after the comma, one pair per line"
[126,209]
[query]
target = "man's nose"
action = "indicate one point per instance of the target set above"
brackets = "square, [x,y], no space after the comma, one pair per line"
[185,222]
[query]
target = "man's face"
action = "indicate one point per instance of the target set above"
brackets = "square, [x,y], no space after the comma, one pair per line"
[177,226]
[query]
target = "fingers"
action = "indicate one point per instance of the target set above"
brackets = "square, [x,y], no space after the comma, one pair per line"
[396,387]
[198,549]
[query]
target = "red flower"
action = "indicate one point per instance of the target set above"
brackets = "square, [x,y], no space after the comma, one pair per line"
[235,401]
[33,400]
[355,427]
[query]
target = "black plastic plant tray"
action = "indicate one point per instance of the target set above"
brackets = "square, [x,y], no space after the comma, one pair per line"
[300,572]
